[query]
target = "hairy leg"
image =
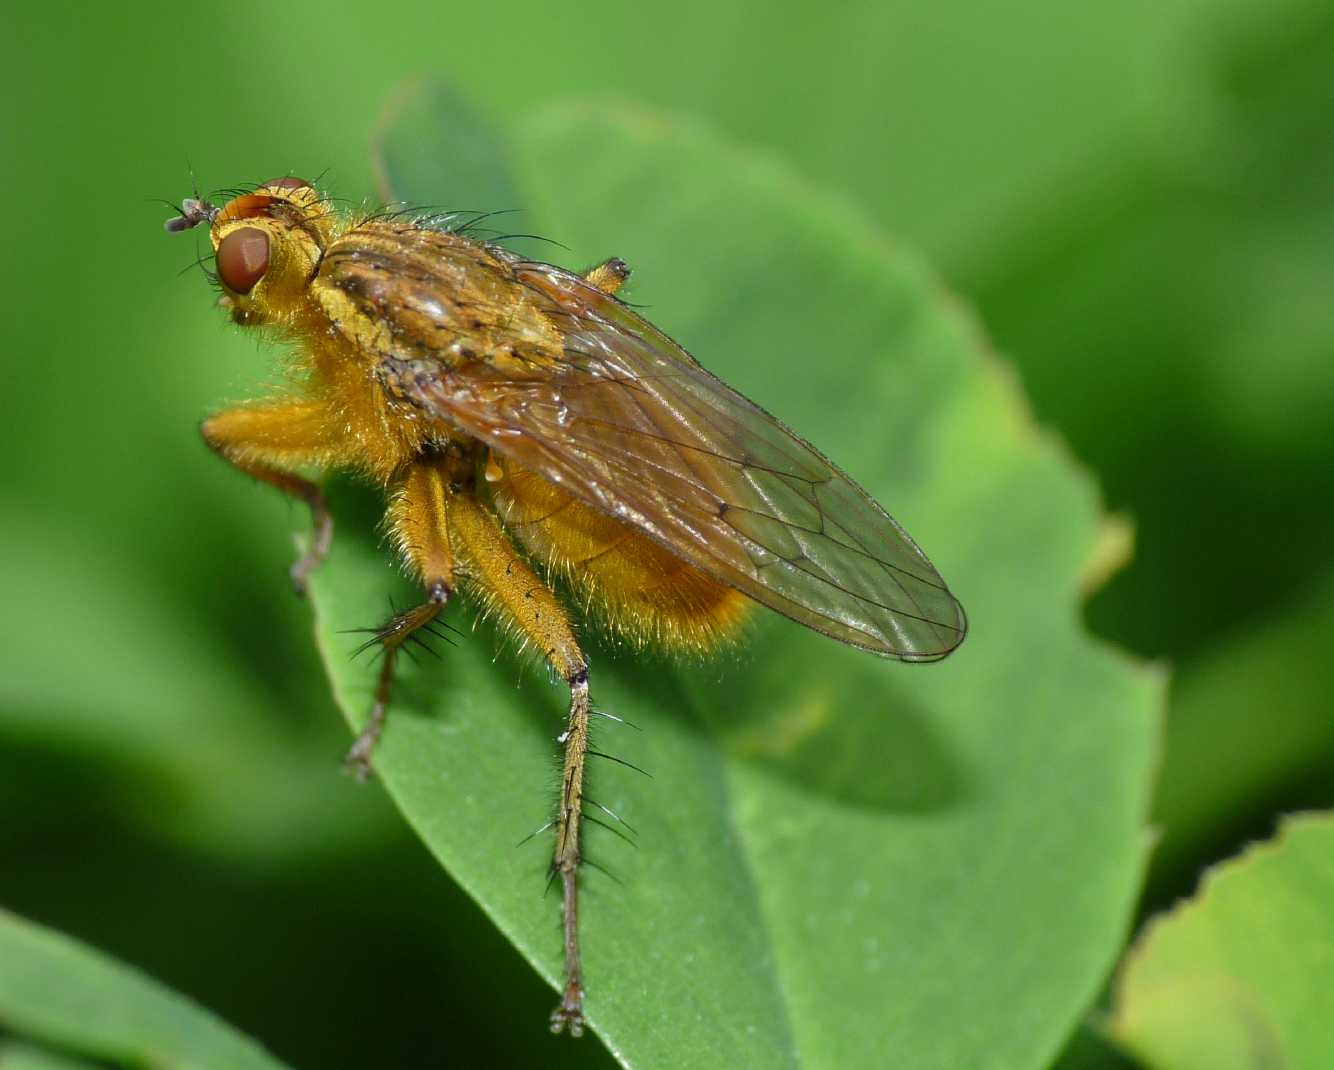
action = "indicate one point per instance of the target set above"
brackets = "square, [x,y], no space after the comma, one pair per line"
[269,441]
[398,630]
[443,531]
[417,520]
[515,593]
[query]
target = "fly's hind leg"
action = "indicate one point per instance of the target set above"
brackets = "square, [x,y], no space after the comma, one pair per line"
[500,575]
[609,276]
[267,442]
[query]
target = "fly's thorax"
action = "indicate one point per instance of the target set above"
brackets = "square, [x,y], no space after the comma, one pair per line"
[433,298]
[268,245]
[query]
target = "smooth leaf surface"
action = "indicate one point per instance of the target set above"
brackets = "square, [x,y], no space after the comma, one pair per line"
[58,990]
[19,1056]
[843,861]
[1241,977]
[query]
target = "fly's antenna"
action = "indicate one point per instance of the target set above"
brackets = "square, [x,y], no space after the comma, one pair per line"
[192,212]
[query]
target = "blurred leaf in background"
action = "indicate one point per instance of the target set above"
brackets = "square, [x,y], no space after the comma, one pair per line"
[1241,977]
[1135,195]
[55,989]
[1252,724]
[1174,310]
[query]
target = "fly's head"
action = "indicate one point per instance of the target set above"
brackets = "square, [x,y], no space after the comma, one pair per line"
[267,244]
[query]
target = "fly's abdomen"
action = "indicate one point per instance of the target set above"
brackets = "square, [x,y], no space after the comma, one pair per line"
[645,593]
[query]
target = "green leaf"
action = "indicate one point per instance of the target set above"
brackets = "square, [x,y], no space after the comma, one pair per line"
[1182,275]
[1249,725]
[1240,977]
[55,989]
[127,702]
[843,861]
[1089,1049]
[19,1056]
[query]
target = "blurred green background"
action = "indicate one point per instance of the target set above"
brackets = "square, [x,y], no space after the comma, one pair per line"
[1135,196]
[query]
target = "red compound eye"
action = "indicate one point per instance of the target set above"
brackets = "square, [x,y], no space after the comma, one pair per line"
[243,257]
[288,182]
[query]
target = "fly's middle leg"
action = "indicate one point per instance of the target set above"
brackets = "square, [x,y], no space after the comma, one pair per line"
[399,629]
[419,523]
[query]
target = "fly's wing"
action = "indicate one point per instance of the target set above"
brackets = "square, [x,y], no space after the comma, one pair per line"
[630,424]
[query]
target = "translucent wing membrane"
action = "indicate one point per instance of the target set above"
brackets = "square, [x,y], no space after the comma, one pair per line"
[629,423]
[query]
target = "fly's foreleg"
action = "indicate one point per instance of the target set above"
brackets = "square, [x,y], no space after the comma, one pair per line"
[268,442]
[529,606]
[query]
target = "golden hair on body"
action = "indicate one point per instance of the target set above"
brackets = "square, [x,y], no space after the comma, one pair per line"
[512,411]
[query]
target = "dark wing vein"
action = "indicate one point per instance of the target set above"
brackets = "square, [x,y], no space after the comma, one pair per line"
[631,425]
